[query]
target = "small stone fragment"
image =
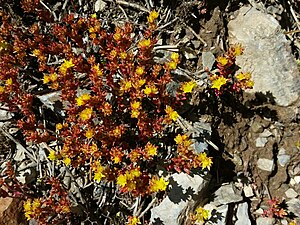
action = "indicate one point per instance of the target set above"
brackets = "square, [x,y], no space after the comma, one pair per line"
[208,60]
[226,194]
[99,5]
[265,134]
[283,159]
[294,206]
[297,179]
[261,142]
[256,127]
[265,164]
[291,193]
[265,221]
[248,191]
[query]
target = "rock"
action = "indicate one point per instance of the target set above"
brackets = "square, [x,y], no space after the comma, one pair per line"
[248,191]
[261,142]
[294,206]
[297,179]
[267,55]
[291,193]
[227,194]
[99,5]
[208,60]
[11,212]
[186,193]
[218,214]
[265,164]
[256,127]
[5,115]
[265,221]
[265,134]
[283,159]
[242,214]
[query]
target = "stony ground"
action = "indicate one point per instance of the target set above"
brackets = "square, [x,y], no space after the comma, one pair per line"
[258,140]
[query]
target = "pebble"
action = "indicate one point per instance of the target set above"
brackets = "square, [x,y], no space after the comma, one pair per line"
[291,193]
[265,134]
[283,159]
[265,164]
[261,142]
[265,221]
[226,194]
[297,179]
[248,191]
[256,127]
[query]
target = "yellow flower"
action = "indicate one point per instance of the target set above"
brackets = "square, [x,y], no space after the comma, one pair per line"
[141,82]
[9,82]
[2,89]
[179,139]
[173,115]
[187,87]
[126,85]
[218,83]
[123,55]
[201,214]
[59,126]
[135,114]
[175,57]
[97,70]
[86,114]
[172,65]
[206,162]
[150,149]
[152,16]
[117,36]
[243,76]
[52,155]
[292,223]
[237,50]
[222,60]
[36,204]
[89,133]
[135,105]
[150,89]
[81,100]
[67,161]
[122,180]
[99,172]
[117,132]
[65,66]
[94,16]
[139,70]
[27,209]
[133,221]
[53,77]
[147,90]
[249,83]
[158,184]
[36,52]
[54,85]
[113,53]
[144,43]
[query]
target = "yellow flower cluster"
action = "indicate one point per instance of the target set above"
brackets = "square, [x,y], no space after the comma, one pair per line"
[171,113]
[128,179]
[81,100]
[175,60]
[32,208]
[183,140]
[99,171]
[157,185]
[219,82]
[206,162]
[202,214]
[135,106]
[151,149]
[67,64]
[222,60]
[145,43]
[245,79]
[89,133]
[150,89]
[52,155]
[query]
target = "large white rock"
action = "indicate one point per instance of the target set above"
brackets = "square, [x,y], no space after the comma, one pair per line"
[267,55]
[186,193]
[242,214]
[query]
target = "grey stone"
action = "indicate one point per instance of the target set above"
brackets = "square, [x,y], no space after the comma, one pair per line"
[261,142]
[265,134]
[218,214]
[248,191]
[265,221]
[227,194]
[5,115]
[99,5]
[283,159]
[294,206]
[242,214]
[265,164]
[267,55]
[256,127]
[208,60]
[186,192]
[291,193]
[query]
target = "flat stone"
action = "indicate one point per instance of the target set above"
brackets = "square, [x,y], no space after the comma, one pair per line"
[265,221]
[265,164]
[208,60]
[248,191]
[261,142]
[283,159]
[291,193]
[242,214]
[265,134]
[294,206]
[227,194]
[185,194]
[267,55]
